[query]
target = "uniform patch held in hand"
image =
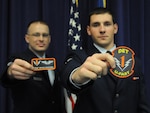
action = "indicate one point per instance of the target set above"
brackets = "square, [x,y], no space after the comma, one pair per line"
[43,64]
[125,61]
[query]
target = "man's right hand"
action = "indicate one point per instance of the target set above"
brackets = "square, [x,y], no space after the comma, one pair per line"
[20,69]
[95,65]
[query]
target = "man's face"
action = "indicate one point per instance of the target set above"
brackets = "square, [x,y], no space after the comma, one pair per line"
[102,30]
[38,37]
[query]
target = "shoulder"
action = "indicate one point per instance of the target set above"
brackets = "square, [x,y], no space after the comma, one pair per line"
[25,55]
[78,54]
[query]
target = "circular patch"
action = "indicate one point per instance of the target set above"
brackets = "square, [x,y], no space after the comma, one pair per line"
[124,58]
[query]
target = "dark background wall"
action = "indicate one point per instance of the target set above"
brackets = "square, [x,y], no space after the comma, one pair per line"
[132,15]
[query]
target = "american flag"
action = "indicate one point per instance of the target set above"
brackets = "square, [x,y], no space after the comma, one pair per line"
[74,32]
[74,43]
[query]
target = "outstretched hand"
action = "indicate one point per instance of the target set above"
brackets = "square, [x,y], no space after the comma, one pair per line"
[20,69]
[94,66]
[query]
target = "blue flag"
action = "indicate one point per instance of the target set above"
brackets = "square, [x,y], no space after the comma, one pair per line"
[101,3]
[74,32]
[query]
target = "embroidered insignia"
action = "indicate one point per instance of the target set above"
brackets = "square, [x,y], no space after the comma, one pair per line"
[43,64]
[124,58]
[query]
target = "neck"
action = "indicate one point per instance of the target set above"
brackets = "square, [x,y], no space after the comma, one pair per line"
[37,53]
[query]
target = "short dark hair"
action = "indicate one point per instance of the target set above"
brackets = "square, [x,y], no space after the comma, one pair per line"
[101,10]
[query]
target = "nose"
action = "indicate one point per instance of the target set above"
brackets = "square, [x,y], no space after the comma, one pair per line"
[102,29]
[41,37]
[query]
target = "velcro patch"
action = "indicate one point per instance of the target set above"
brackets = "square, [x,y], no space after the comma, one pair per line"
[125,61]
[43,64]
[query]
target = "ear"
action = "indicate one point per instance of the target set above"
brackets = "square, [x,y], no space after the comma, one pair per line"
[27,38]
[88,30]
[115,28]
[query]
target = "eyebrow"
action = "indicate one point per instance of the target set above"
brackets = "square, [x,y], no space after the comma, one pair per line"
[95,23]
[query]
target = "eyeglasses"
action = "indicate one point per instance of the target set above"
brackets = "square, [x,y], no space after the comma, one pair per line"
[45,35]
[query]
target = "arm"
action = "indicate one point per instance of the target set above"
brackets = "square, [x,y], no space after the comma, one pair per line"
[20,69]
[17,70]
[94,65]
[87,68]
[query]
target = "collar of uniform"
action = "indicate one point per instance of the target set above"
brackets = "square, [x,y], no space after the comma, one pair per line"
[38,55]
[103,50]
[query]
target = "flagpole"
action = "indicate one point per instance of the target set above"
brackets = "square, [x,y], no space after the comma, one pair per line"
[76,3]
[104,3]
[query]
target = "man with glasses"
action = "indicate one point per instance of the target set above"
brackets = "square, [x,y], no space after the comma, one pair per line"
[33,91]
